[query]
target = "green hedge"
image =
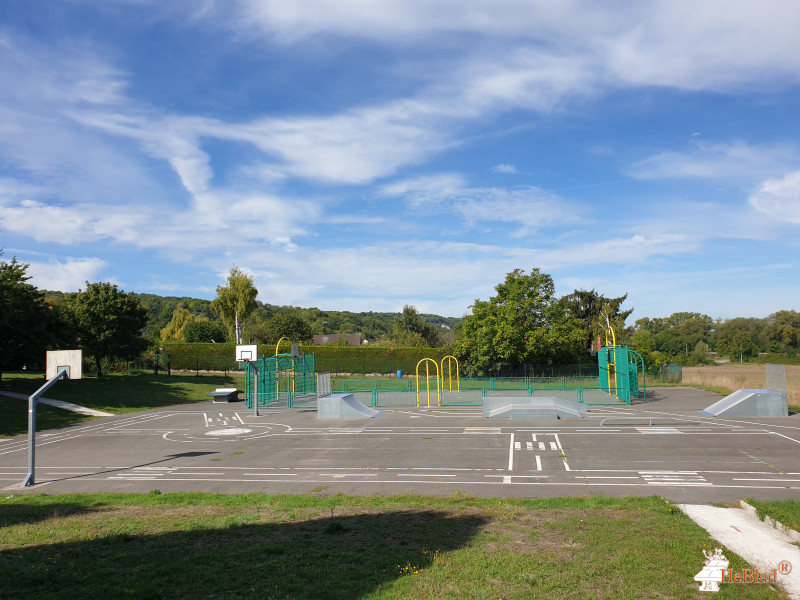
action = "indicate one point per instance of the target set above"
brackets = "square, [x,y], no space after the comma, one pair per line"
[334,359]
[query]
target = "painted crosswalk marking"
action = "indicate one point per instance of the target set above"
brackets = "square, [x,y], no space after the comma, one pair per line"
[691,478]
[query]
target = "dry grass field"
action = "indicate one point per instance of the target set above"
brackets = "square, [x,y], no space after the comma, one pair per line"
[731,377]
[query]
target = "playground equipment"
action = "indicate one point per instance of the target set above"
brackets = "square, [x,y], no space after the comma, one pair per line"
[450,360]
[769,402]
[427,361]
[280,381]
[540,408]
[344,406]
[619,369]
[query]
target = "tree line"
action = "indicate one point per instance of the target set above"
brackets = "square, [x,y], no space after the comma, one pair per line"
[525,322]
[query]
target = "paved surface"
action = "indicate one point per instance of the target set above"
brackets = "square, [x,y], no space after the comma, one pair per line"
[762,546]
[662,447]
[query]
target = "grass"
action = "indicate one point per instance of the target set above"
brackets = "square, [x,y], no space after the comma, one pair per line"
[112,393]
[730,377]
[786,512]
[193,545]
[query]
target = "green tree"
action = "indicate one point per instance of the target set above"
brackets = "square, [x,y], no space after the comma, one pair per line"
[203,330]
[782,331]
[27,324]
[108,323]
[236,301]
[174,330]
[591,309]
[523,323]
[411,331]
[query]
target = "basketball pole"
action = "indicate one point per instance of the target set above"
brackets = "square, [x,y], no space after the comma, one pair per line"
[33,400]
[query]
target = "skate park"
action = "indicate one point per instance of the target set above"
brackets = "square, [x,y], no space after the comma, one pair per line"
[434,438]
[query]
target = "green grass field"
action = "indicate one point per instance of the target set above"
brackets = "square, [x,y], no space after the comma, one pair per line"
[112,393]
[193,545]
[786,512]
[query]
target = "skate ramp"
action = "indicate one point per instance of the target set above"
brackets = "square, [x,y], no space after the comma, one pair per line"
[532,408]
[344,406]
[750,403]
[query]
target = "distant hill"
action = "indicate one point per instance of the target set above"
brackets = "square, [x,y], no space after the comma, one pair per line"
[373,325]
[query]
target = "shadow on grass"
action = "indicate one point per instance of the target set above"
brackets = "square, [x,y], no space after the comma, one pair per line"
[128,392]
[14,417]
[334,557]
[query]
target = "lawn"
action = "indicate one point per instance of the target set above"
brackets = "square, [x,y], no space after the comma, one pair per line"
[786,512]
[112,393]
[193,545]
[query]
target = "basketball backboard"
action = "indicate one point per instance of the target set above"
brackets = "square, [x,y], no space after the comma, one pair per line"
[246,352]
[58,360]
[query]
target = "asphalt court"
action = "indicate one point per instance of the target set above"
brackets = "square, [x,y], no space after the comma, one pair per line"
[661,447]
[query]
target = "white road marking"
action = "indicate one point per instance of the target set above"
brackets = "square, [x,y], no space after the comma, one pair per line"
[553,446]
[538,463]
[511,454]
[517,445]
[542,446]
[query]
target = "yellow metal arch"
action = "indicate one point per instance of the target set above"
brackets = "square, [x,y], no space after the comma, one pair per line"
[450,360]
[289,372]
[611,344]
[278,345]
[428,381]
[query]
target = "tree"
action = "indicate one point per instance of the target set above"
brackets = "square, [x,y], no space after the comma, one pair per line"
[175,329]
[203,330]
[27,324]
[411,331]
[523,323]
[591,310]
[236,301]
[108,323]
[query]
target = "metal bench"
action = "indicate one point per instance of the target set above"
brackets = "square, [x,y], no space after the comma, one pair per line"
[224,395]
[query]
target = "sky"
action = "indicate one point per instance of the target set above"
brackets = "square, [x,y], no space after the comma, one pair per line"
[361,155]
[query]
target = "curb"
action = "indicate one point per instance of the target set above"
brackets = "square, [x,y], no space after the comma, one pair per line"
[751,510]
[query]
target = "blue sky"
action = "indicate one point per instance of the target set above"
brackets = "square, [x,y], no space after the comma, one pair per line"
[359,155]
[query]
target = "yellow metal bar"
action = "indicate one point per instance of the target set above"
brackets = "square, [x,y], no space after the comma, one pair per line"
[449,360]
[279,343]
[427,380]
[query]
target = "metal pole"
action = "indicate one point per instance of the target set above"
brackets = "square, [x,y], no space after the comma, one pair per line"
[33,400]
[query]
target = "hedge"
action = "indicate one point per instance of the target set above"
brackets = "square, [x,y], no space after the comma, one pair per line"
[334,359]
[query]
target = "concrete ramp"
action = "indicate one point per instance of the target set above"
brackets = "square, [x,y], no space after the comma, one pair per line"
[750,403]
[532,408]
[344,406]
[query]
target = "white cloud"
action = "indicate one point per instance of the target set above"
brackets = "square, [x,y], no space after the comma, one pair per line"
[66,275]
[717,44]
[779,198]
[529,207]
[502,168]
[704,160]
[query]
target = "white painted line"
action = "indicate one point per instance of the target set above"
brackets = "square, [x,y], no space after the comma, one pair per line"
[566,464]
[340,475]
[221,415]
[517,445]
[511,454]
[538,463]
[533,435]
[553,446]
[604,477]
[772,480]
[422,475]
[263,474]
[529,445]
[507,478]
[542,446]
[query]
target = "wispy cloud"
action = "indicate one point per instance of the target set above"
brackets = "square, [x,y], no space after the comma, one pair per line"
[501,168]
[704,160]
[779,198]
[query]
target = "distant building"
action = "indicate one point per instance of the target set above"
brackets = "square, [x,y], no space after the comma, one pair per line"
[353,339]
